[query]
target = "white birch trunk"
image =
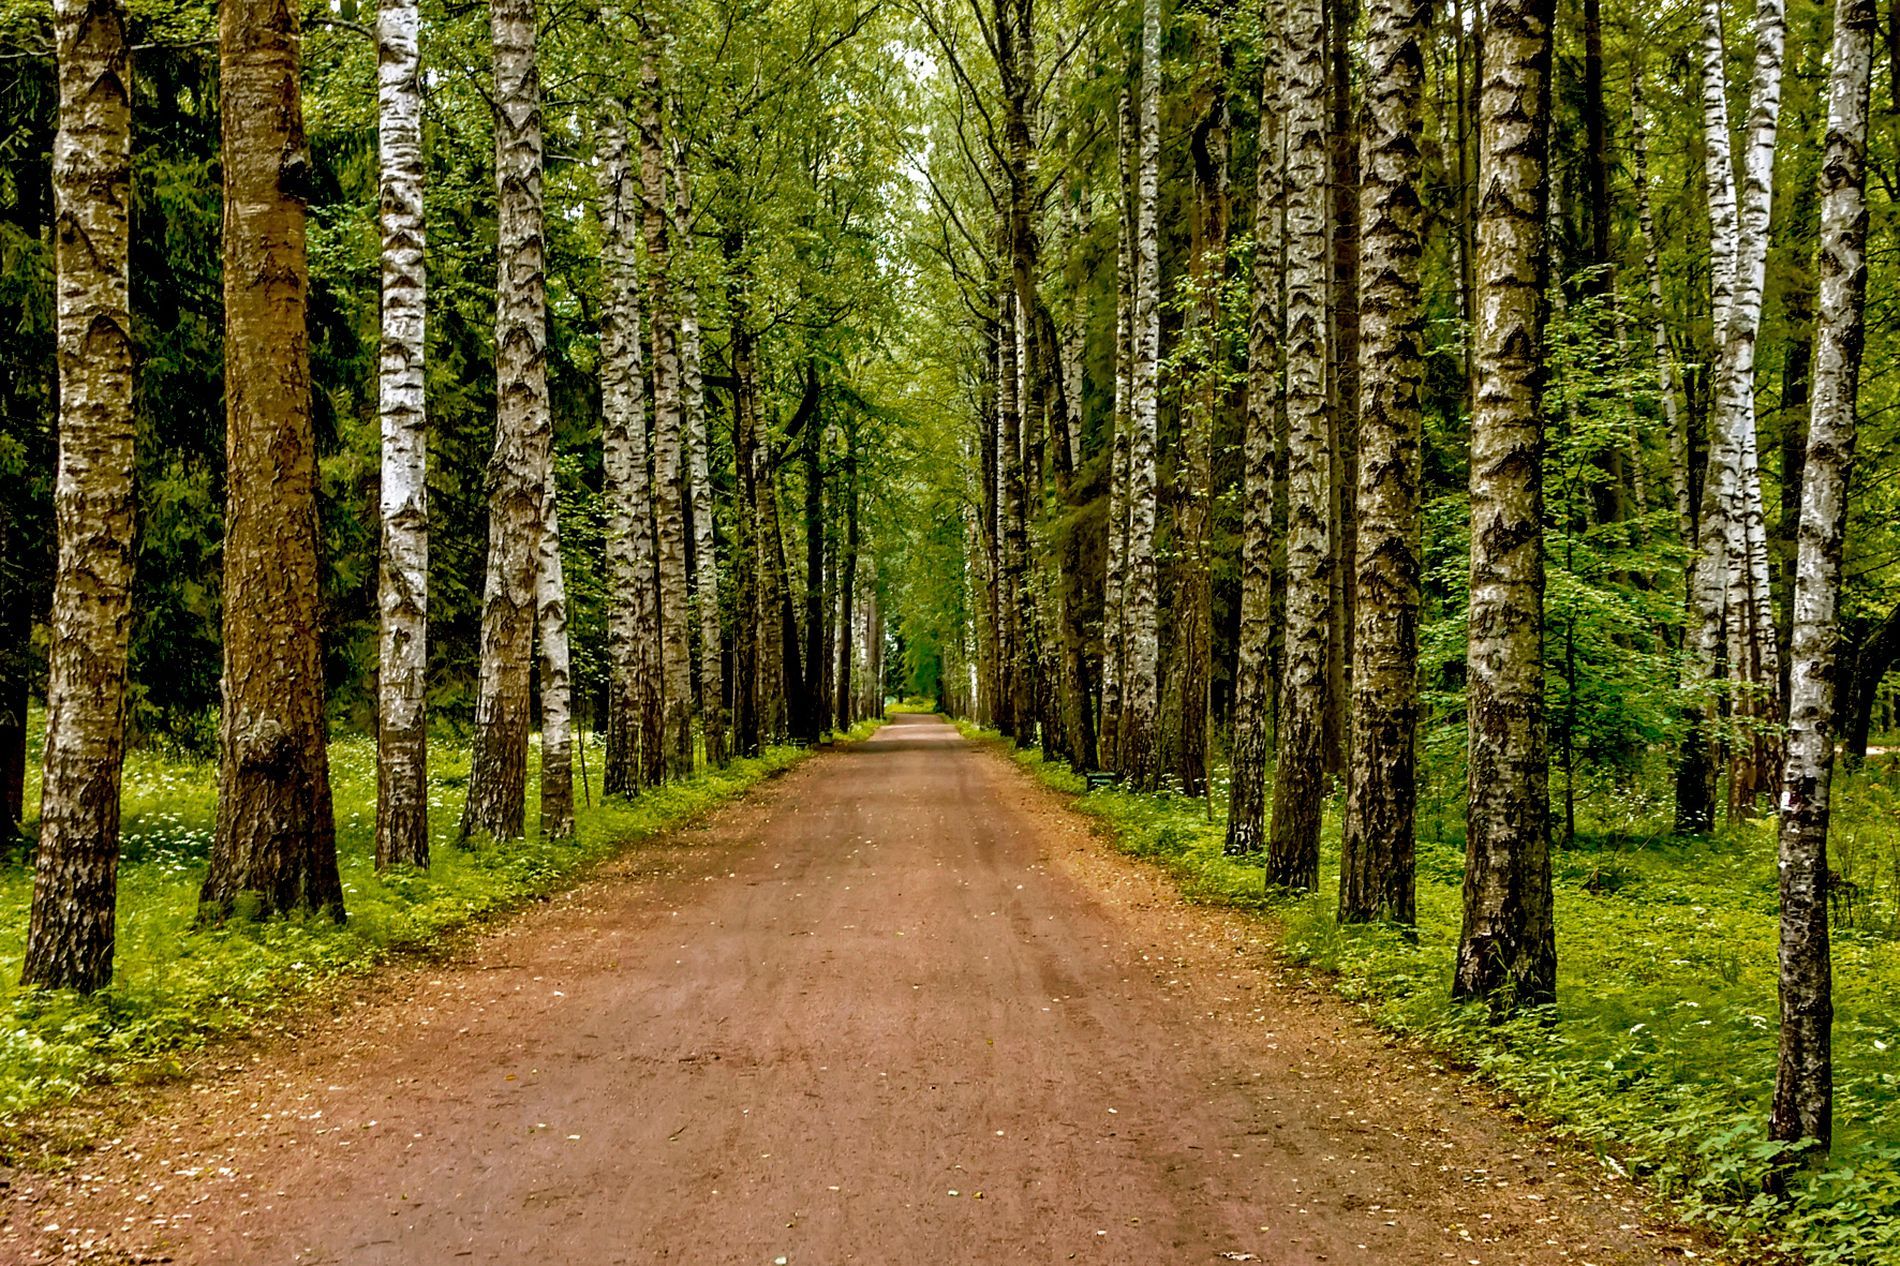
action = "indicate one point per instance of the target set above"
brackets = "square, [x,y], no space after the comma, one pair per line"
[557,731]
[1804,1082]
[1141,759]
[402,799]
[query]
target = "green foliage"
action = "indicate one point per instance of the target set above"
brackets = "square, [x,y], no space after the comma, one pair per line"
[1660,1053]
[178,987]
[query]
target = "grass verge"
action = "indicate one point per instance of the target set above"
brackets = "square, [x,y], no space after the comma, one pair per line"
[1659,1057]
[177,988]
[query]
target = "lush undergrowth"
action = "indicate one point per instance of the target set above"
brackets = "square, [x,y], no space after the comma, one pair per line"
[176,987]
[1660,1054]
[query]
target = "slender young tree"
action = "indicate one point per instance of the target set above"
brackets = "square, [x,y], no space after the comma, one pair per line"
[518,472]
[1253,668]
[557,730]
[633,610]
[1141,687]
[1804,1079]
[402,723]
[1507,951]
[1299,789]
[69,940]
[275,838]
[1376,872]
[675,648]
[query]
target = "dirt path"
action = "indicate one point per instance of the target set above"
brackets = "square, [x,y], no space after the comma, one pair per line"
[898,1007]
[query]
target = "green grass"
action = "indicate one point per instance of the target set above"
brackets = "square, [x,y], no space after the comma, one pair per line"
[1660,1054]
[177,988]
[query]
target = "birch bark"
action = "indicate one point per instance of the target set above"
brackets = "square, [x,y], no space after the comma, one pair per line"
[70,936]
[1507,951]
[632,707]
[518,472]
[557,731]
[402,731]
[1141,686]
[1299,789]
[1804,1082]
[675,755]
[1376,864]
[1253,670]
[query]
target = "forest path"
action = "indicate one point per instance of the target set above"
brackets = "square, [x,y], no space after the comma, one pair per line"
[899,1006]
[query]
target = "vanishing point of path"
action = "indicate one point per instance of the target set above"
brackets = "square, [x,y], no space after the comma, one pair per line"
[898,1006]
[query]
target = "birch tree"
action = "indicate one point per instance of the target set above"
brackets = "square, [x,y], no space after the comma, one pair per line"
[1299,789]
[1507,950]
[1115,571]
[1208,147]
[557,732]
[75,873]
[518,472]
[1141,689]
[675,654]
[712,688]
[1376,868]
[633,694]
[402,723]
[275,838]
[1804,1081]
[1253,669]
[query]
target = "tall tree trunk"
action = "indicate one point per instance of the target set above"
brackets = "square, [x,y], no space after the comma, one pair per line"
[1804,1080]
[275,838]
[632,611]
[1141,687]
[69,939]
[1299,789]
[518,472]
[773,649]
[1343,377]
[1752,640]
[1698,763]
[1507,950]
[402,729]
[712,686]
[1596,143]
[847,576]
[1376,867]
[1207,271]
[669,512]
[1115,570]
[1018,713]
[1673,421]
[811,710]
[557,733]
[1253,669]
[748,737]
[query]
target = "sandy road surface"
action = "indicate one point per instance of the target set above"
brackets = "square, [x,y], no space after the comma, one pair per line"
[896,1007]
